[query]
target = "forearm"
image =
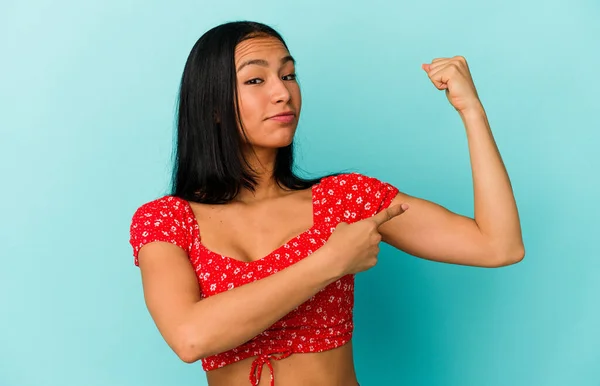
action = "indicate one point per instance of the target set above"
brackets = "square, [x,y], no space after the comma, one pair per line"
[496,211]
[231,318]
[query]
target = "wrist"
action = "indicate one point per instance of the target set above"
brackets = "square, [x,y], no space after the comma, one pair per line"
[474,111]
[327,264]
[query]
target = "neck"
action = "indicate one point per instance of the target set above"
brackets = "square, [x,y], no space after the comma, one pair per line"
[262,162]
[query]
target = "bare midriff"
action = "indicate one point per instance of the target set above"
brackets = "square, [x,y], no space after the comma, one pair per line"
[328,368]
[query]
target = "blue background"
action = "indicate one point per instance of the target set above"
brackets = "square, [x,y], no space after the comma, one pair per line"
[87,96]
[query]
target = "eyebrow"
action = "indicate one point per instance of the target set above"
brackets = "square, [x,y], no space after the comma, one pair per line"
[264,63]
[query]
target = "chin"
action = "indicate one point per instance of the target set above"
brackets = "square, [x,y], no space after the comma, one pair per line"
[273,144]
[274,139]
[281,140]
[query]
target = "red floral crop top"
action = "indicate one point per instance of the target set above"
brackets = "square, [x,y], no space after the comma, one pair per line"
[321,323]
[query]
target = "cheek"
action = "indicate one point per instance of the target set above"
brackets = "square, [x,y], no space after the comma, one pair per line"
[245,111]
[249,106]
[296,95]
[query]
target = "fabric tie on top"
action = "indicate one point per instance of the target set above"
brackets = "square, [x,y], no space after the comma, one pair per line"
[260,361]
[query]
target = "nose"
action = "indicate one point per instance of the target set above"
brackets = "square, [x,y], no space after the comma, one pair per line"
[280,92]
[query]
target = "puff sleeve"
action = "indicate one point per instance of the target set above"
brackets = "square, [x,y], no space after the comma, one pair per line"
[366,196]
[159,220]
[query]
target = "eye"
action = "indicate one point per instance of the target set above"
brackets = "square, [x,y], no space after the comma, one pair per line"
[290,77]
[254,81]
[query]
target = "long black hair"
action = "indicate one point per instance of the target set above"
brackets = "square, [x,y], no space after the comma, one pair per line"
[209,165]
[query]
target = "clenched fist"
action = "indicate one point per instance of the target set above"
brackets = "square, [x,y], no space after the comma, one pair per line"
[453,75]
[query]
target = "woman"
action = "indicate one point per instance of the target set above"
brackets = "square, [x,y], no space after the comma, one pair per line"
[245,264]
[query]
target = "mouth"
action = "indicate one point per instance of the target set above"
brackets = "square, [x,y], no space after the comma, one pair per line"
[283,114]
[285,117]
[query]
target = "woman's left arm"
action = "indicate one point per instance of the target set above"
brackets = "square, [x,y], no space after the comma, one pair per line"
[427,230]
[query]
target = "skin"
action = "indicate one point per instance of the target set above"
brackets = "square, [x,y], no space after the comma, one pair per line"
[256,223]
[264,91]
[238,229]
[493,238]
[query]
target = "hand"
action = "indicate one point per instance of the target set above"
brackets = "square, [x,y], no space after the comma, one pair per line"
[354,247]
[453,75]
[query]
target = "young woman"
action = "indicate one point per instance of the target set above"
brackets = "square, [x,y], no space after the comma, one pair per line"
[246,264]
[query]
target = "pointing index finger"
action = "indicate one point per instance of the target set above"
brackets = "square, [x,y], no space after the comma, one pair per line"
[389,213]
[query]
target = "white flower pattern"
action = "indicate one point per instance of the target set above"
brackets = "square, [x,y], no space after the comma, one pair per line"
[325,319]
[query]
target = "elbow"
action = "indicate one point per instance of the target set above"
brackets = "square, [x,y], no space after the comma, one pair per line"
[188,346]
[187,355]
[520,254]
[508,257]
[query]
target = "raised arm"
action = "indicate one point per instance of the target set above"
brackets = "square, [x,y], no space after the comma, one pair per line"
[493,237]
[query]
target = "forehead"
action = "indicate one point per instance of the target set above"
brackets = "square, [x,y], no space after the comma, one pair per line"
[259,47]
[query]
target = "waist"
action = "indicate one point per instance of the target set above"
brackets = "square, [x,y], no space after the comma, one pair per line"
[329,367]
[306,340]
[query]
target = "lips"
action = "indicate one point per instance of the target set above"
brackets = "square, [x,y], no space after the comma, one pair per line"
[284,114]
[285,117]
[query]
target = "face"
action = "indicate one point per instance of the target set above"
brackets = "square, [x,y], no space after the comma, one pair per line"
[267,88]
